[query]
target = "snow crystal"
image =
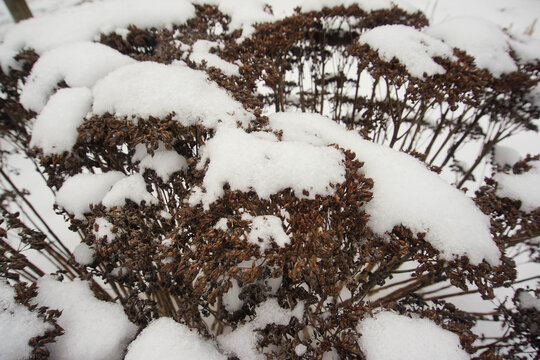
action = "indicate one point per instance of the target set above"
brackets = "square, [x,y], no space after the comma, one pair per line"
[151,89]
[81,190]
[93,329]
[133,188]
[261,163]
[78,64]
[201,52]
[414,49]
[264,229]
[163,162]
[86,21]
[404,191]
[388,336]
[55,129]
[104,229]
[165,339]
[83,254]
[522,187]
[484,41]
[242,342]
[17,326]
[528,301]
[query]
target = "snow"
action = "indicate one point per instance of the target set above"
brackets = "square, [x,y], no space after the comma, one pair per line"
[83,254]
[93,329]
[523,187]
[163,162]
[405,191]
[79,64]
[151,89]
[528,301]
[367,5]
[165,339]
[264,229]
[242,342]
[504,155]
[388,336]
[81,190]
[486,42]
[414,49]
[201,52]
[17,325]
[55,128]
[231,299]
[259,162]
[133,188]
[221,225]
[86,21]
[300,349]
[104,229]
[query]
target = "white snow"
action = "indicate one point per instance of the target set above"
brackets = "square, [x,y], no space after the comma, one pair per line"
[163,162]
[165,339]
[17,325]
[83,254]
[414,49]
[265,229]
[231,299]
[81,190]
[104,229]
[300,349]
[259,162]
[221,225]
[55,128]
[528,301]
[486,42]
[242,342]
[151,89]
[201,52]
[504,155]
[93,329]
[78,64]
[524,187]
[388,336]
[405,191]
[133,188]
[86,21]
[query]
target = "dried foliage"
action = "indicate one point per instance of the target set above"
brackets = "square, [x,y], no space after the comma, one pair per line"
[170,260]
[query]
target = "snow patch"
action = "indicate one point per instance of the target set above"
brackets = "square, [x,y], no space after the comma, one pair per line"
[265,229]
[165,339]
[55,129]
[83,254]
[150,89]
[414,49]
[93,329]
[388,336]
[201,52]
[133,188]
[523,187]
[163,162]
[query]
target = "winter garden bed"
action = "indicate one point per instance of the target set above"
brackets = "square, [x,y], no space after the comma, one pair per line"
[256,182]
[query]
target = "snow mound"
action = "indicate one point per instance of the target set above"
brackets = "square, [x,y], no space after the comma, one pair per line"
[404,191]
[259,162]
[528,301]
[78,64]
[414,49]
[264,229]
[103,228]
[17,325]
[163,162]
[201,52]
[93,329]
[55,128]
[86,21]
[81,190]
[150,89]
[388,336]
[523,187]
[486,42]
[133,188]
[242,342]
[165,339]
[83,254]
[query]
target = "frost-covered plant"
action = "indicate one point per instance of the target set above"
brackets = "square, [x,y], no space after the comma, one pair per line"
[200,196]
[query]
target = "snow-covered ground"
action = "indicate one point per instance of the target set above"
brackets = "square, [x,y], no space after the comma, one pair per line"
[114,84]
